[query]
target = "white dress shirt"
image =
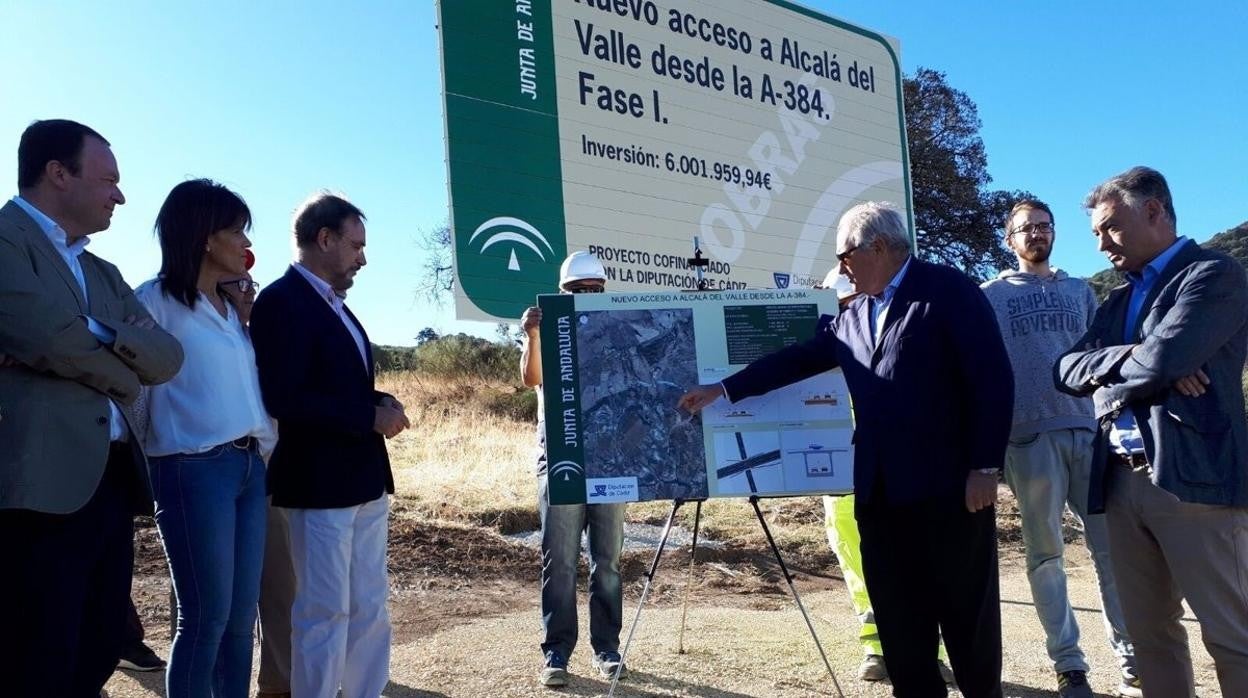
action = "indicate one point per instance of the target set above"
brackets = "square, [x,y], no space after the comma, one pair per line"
[335,300]
[69,252]
[215,398]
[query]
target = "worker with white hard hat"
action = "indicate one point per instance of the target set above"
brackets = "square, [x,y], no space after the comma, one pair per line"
[562,524]
[582,267]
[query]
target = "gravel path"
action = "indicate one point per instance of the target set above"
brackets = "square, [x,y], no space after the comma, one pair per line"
[752,646]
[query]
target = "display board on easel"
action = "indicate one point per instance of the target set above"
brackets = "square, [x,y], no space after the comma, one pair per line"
[616,364]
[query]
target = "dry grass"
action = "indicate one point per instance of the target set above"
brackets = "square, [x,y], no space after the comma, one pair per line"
[459,462]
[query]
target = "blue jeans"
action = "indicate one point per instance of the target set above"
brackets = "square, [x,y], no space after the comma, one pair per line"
[1045,472]
[210,510]
[562,525]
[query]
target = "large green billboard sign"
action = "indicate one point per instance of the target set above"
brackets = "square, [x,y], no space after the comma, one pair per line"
[632,128]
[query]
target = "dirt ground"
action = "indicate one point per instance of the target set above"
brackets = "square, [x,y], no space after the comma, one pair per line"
[464,604]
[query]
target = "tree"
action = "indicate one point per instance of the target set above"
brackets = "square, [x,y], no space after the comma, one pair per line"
[1104,281]
[438,279]
[426,335]
[958,220]
[507,333]
[1233,242]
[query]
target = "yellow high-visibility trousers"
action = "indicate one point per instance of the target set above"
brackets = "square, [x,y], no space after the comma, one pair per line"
[843,537]
[842,530]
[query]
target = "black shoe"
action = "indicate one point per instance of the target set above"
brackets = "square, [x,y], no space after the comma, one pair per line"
[1073,684]
[140,657]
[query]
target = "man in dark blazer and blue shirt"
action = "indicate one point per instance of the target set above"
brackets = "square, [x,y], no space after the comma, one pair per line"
[330,469]
[1162,362]
[933,396]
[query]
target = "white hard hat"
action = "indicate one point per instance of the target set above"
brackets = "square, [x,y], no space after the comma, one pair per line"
[581,265]
[838,281]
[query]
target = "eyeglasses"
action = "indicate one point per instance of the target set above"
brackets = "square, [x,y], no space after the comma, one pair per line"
[844,256]
[1029,228]
[585,288]
[243,285]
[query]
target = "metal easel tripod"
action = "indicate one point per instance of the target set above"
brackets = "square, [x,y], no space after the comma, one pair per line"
[654,565]
[699,263]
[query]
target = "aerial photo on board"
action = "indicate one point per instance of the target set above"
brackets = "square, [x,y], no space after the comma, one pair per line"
[633,366]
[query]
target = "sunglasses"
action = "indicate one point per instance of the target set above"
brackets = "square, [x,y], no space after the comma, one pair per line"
[844,256]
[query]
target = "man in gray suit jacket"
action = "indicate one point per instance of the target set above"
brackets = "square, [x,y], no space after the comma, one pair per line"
[78,346]
[1162,362]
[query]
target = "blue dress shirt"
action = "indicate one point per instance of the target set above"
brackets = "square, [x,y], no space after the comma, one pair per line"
[880,303]
[1125,435]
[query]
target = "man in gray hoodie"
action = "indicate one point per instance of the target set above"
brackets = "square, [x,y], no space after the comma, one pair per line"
[1042,312]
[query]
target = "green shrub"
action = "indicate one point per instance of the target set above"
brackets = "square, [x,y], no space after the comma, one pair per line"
[459,357]
[386,358]
[463,356]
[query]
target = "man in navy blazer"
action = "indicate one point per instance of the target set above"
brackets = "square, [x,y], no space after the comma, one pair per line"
[330,470]
[933,396]
[1162,362]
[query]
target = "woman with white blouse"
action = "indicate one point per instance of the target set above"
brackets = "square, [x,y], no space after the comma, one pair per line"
[206,443]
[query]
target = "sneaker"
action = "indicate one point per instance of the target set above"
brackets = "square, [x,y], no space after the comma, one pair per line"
[1073,684]
[140,657]
[872,668]
[554,670]
[1130,687]
[607,662]
[946,673]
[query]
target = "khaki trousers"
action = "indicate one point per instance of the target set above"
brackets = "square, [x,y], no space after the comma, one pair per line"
[1164,551]
[277,594]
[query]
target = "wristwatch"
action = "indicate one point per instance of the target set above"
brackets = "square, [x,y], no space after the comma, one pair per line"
[988,471]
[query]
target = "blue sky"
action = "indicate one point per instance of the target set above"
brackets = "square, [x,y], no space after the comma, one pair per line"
[278,99]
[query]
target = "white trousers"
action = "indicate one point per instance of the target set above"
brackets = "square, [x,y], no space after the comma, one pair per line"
[339,625]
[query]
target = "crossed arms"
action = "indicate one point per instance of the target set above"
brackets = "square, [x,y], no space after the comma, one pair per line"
[48,337]
[1209,309]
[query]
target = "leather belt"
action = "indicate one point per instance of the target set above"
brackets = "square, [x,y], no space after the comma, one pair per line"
[1135,461]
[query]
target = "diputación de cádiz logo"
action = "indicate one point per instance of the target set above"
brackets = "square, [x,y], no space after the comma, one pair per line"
[568,468]
[511,230]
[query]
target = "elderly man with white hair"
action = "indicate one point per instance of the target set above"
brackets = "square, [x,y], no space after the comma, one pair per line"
[933,397]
